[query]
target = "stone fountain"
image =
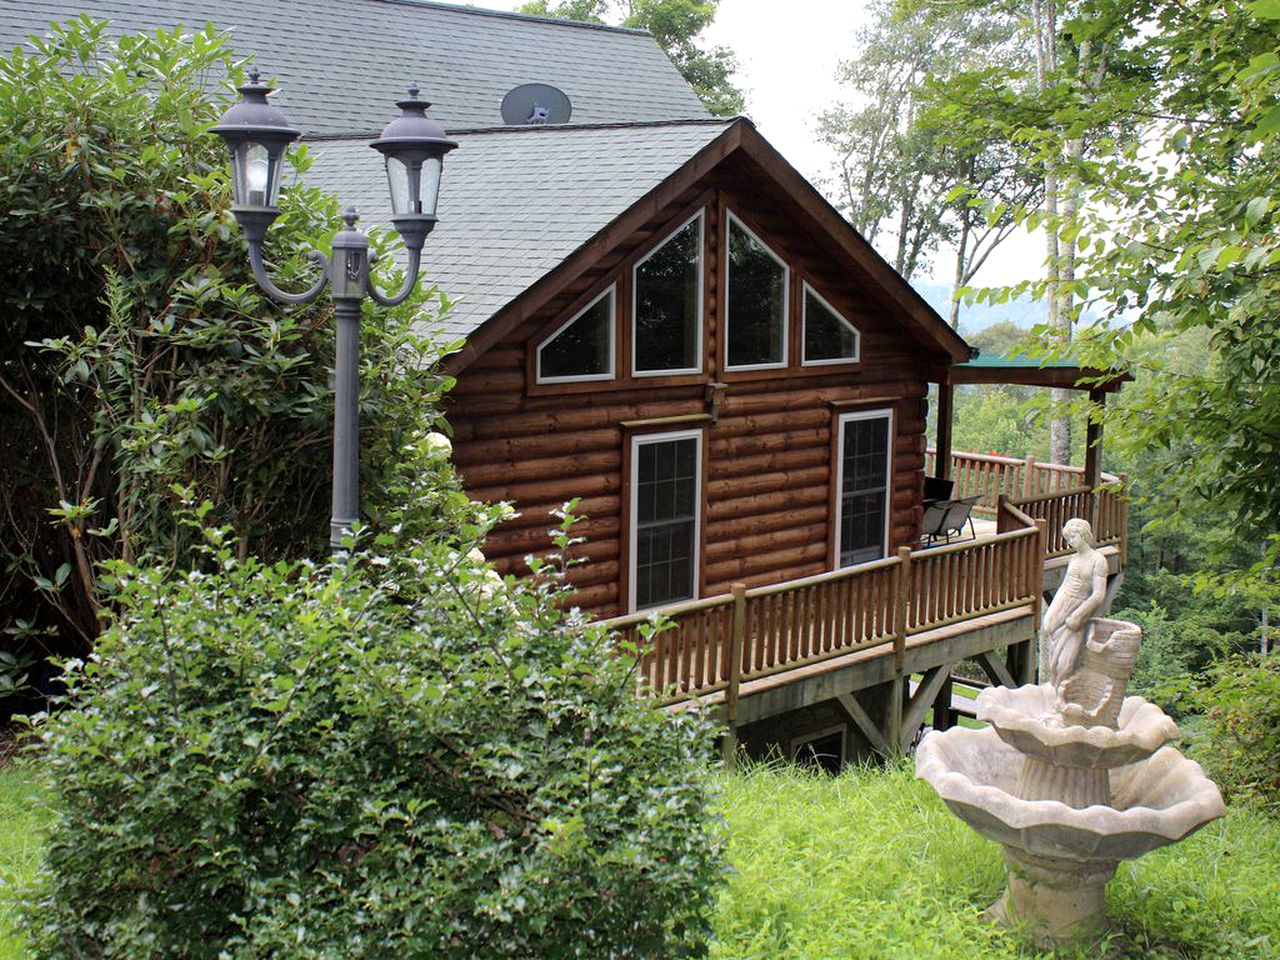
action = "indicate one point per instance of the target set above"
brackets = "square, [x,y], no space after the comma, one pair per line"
[1071,776]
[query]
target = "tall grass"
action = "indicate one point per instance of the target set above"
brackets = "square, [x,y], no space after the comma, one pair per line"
[871,865]
[23,818]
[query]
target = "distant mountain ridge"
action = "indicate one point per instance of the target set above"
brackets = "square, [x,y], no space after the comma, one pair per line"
[1023,311]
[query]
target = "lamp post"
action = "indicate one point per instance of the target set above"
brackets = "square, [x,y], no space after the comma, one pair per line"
[257,134]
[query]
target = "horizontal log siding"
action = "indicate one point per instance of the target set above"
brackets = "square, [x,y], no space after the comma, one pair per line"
[768,498]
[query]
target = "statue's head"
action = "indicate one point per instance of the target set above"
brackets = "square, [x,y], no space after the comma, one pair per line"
[1076,530]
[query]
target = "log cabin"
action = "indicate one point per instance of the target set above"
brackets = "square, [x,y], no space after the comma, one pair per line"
[660,317]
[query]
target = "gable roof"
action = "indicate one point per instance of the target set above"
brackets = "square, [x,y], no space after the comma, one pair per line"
[341,64]
[516,202]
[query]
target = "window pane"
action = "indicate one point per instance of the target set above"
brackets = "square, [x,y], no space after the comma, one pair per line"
[582,349]
[666,521]
[864,489]
[826,336]
[668,302]
[757,301]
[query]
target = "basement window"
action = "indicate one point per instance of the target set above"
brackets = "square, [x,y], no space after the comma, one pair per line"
[755,302]
[582,349]
[667,306]
[828,337]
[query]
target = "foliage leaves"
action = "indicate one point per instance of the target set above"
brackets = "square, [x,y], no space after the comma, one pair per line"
[141,354]
[394,754]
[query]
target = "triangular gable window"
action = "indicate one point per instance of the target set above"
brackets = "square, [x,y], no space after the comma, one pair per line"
[667,309]
[828,337]
[582,349]
[756,303]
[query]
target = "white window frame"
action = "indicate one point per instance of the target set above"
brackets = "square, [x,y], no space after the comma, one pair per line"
[805,292]
[612,293]
[796,743]
[701,300]
[885,413]
[634,509]
[729,222]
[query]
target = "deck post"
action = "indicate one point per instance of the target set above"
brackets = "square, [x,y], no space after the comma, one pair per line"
[943,718]
[901,603]
[946,414]
[736,642]
[1028,477]
[1124,519]
[893,712]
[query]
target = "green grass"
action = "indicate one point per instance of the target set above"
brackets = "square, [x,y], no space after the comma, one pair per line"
[871,865]
[22,820]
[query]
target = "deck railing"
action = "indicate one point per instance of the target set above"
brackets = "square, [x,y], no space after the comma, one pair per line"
[991,476]
[1106,509]
[721,642]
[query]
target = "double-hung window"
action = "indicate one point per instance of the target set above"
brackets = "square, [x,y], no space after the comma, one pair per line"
[756,296]
[667,306]
[864,482]
[666,484]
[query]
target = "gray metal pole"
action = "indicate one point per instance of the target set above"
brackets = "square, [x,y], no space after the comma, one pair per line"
[346,423]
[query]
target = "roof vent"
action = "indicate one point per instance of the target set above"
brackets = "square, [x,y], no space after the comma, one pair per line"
[535,104]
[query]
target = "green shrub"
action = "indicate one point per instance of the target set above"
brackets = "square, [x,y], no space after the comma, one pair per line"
[396,756]
[1242,726]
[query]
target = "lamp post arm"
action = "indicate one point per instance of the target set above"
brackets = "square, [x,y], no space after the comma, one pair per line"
[410,281]
[284,296]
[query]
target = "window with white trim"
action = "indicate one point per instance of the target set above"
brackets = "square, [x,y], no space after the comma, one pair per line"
[864,472]
[667,305]
[666,486]
[755,301]
[582,349]
[828,337]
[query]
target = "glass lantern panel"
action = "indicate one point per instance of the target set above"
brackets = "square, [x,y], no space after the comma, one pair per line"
[398,180]
[430,187]
[254,178]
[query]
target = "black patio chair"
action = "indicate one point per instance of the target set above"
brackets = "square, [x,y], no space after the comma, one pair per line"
[943,518]
[936,488]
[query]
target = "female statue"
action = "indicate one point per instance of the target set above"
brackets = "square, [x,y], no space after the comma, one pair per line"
[1083,591]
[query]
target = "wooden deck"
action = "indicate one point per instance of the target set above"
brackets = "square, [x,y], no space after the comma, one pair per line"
[757,653]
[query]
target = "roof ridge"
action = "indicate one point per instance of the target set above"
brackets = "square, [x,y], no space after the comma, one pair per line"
[514,15]
[543,127]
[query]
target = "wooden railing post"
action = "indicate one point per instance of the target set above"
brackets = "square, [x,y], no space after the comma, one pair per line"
[902,601]
[1123,518]
[1028,477]
[737,641]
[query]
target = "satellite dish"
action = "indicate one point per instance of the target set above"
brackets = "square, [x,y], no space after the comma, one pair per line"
[535,104]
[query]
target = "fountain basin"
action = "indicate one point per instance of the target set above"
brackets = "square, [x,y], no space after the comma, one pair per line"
[1026,719]
[1156,801]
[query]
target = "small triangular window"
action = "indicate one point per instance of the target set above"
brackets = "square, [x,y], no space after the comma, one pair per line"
[582,349]
[828,337]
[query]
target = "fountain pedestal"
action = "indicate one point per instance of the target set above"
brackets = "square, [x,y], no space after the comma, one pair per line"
[1056,899]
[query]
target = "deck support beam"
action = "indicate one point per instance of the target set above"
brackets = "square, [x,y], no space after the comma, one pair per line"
[862,720]
[995,670]
[924,697]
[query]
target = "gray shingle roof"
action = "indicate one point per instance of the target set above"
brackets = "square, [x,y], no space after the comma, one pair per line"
[341,64]
[515,203]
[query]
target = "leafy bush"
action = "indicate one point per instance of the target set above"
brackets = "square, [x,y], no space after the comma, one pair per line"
[1242,726]
[400,755]
[140,354]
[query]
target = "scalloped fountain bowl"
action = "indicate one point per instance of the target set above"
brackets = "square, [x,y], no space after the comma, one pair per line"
[1069,800]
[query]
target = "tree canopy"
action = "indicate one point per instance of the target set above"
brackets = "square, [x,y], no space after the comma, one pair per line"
[676,25]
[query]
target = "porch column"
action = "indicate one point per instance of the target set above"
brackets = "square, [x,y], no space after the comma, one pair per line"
[1093,440]
[942,462]
[1093,453]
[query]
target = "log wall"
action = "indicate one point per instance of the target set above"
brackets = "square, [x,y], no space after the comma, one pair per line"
[768,483]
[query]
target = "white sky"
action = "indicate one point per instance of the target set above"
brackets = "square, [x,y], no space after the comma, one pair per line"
[787,52]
